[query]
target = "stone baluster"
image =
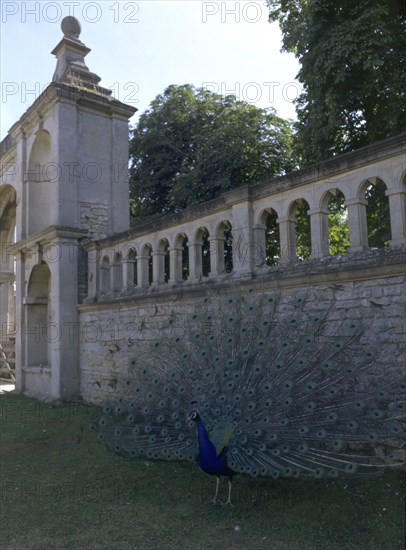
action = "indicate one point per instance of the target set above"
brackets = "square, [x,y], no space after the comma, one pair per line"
[397,209]
[195,260]
[158,268]
[217,264]
[319,232]
[357,224]
[287,233]
[143,270]
[175,264]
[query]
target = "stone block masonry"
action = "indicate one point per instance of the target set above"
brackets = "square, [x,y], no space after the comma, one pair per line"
[112,332]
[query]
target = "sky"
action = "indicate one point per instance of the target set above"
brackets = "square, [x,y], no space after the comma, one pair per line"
[139,48]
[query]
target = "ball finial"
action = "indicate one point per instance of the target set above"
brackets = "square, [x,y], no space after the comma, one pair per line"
[71,27]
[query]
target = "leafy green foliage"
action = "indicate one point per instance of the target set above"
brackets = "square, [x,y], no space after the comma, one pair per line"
[303,235]
[192,145]
[378,216]
[353,71]
[273,247]
[338,231]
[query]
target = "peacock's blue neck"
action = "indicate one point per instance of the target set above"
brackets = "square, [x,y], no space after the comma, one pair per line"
[203,436]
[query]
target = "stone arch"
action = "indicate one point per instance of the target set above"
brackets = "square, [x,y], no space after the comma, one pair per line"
[301,241]
[378,219]
[105,274]
[268,237]
[222,248]
[131,271]
[8,211]
[334,232]
[38,316]
[202,256]
[41,180]
[145,266]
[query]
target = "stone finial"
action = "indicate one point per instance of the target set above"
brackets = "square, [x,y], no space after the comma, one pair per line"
[71,27]
[71,68]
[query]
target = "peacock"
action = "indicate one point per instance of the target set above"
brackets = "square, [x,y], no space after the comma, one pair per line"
[257,383]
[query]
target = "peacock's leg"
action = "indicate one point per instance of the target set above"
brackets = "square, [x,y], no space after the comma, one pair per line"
[229,493]
[217,490]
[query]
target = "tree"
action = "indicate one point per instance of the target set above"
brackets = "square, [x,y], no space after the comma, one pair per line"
[353,71]
[192,145]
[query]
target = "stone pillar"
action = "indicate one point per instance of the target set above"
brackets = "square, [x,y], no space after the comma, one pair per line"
[6,281]
[217,264]
[319,232]
[20,352]
[158,268]
[129,267]
[175,263]
[143,271]
[259,234]
[287,233]
[64,350]
[116,276]
[242,230]
[397,209]
[195,260]
[357,224]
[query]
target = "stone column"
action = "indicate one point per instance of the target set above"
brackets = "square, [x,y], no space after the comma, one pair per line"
[357,224]
[195,260]
[319,232]
[20,352]
[158,268]
[128,273]
[116,274]
[143,271]
[287,233]
[259,234]
[397,208]
[175,264]
[217,264]
[6,281]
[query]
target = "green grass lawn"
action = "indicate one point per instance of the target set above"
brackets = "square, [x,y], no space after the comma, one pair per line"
[61,490]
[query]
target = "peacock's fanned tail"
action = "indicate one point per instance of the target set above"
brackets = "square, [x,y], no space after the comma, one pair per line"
[296,392]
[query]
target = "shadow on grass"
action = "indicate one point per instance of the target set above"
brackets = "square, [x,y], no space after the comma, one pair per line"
[61,490]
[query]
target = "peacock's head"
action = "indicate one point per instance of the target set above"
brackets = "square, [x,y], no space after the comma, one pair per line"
[193,415]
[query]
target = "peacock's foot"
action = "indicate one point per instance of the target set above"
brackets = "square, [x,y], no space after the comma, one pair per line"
[227,503]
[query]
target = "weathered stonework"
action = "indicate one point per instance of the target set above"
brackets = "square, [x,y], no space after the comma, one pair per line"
[113,331]
[90,292]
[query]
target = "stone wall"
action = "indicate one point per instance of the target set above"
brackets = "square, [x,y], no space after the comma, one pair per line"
[368,286]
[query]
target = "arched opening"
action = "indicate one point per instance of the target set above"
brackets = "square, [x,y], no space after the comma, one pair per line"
[118,272]
[205,254]
[145,267]
[377,213]
[338,231]
[132,271]
[38,317]
[299,209]
[228,246]
[8,202]
[182,245]
[222,249]
[105,275]
[164,269]
[41,177]
[272,246]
